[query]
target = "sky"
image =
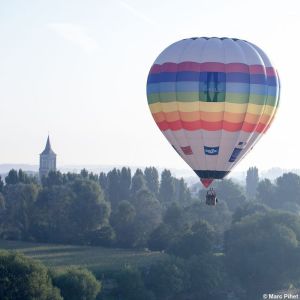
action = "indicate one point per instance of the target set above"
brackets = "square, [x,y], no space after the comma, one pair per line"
[78,69]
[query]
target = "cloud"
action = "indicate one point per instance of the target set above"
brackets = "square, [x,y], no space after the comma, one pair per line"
[137,13]
[76,35]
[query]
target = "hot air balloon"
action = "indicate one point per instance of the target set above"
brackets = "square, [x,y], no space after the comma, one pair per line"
[213,99]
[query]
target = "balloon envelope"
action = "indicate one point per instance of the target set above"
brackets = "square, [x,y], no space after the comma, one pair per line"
[213,98]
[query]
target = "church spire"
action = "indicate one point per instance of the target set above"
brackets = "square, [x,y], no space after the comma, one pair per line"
[47,160]
[48,149]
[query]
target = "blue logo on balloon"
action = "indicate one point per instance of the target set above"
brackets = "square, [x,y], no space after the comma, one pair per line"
[211,150]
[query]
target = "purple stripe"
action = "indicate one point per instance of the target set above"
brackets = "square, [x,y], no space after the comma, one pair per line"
[212,67]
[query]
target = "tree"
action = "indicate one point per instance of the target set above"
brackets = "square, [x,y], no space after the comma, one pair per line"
[2,212]
[167,188]
[70,177]
[161,237]
[288,188]
[88,210]
[125,183]
[22,278]
[130,286]
[219,216]
[19,200]
[166,278]
[152,180]
[197,240]
[53,178]
[93,177]
[51,215]
[2,203]
[25,178]
[134,221]
[122,221]
[15,177]
[103,181]
[1,184]
[261,251]
[182,193]
[113,184]
[125,213]
[71,212]
[284,194]
[206,277]
[138,182]
[77,284]
[174,216]
[252,180]
[12,177]
[266,192]
[84,173]
[105,236]
[249,208]
[148,215]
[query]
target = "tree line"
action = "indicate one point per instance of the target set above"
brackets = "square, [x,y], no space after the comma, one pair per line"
[244,247]
[113,209]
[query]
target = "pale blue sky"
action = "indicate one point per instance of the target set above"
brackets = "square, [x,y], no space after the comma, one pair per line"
[78,70]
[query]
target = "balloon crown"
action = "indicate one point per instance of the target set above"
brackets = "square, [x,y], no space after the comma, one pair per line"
[214,37]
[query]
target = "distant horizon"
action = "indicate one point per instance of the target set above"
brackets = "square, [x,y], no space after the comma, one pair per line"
[185,172]
[132,165]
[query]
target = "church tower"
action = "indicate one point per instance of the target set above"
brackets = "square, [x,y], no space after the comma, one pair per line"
[47,160]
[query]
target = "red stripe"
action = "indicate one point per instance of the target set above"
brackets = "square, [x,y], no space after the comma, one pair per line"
[190,66]
[257,69]
[187,150]
[211,126]
[232,126]
[271,71]
[201,67]
[261,127]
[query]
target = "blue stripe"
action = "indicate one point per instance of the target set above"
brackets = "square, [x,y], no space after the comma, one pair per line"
[203,77]
[195,87]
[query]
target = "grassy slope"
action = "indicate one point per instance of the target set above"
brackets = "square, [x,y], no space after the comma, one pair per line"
[94,258]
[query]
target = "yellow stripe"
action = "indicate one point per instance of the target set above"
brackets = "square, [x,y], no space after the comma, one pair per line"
[267,109]
[212,107]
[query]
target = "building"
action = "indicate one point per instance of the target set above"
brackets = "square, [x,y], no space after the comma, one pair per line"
[47,160]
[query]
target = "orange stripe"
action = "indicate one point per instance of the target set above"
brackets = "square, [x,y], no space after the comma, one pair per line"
[234,117]
[265,119]
[211,116]
[211,126]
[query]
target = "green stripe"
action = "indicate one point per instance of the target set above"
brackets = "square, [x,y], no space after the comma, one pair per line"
[272,101]
[203,97]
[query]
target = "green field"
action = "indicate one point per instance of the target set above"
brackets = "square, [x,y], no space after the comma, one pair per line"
[97,259]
